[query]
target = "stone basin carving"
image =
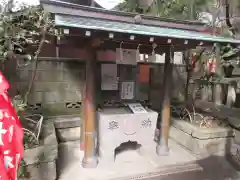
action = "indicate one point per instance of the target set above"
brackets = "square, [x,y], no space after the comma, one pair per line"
[119,125]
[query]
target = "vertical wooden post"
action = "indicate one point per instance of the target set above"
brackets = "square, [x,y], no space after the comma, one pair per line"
[217,89]
[162,148]
[82,135]
[90,135]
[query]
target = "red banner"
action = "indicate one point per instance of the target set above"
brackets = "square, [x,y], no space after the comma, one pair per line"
[11,135]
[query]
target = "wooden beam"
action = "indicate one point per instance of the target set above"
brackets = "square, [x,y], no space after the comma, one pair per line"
[90,135]
[181,44]
[162,148]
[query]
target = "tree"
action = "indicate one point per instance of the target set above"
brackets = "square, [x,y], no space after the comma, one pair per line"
[177,9]
[20,31]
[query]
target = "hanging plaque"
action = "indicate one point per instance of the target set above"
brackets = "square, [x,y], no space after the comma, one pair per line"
[127,56]
[109,77]
[127,90]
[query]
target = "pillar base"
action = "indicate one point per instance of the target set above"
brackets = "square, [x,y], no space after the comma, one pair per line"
[90,163]
[162,150]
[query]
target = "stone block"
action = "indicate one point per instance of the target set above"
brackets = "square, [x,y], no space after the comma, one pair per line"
[42,171]
[50,97]
[58,108]
[35,97]
[51,76]
[48,171]
[68,128]
[117,126]
[64,122]
[72,66]
[201,142]
[72,96]
[47,65]
[44,156]
[68,134]
[73,76]
[202,133]
[50,86]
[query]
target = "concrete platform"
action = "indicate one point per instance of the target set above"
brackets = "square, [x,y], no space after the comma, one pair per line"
[127,164]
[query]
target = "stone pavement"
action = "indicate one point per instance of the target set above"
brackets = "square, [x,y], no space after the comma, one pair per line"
[129,164]
[180,164]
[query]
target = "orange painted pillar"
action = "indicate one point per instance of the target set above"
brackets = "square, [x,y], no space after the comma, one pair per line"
[162,148]
[90,159]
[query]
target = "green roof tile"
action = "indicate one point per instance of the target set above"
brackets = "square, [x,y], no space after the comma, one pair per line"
[136,29]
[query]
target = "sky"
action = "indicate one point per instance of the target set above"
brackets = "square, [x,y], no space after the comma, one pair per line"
[108,4]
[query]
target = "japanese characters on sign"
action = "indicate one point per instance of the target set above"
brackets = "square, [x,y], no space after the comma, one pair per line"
[109,77]
[127,56]
[127,90]
[137,108]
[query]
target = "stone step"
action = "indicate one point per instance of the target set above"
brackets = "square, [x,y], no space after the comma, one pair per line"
[68,128]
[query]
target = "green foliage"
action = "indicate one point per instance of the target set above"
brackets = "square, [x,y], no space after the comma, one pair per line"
[22,170]
[21,30]
[18,104]
[176,9]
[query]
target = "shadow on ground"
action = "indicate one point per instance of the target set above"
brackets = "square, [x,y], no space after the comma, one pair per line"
[213,168]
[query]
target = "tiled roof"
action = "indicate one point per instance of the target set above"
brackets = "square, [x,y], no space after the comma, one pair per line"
[136,29]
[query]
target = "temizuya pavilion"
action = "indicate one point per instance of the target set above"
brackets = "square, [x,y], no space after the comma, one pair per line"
[96,29]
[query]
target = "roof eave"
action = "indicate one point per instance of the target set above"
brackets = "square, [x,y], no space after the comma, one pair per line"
[56,6]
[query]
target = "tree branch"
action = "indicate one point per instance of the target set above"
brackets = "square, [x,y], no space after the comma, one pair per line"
[228,22]
[35,58]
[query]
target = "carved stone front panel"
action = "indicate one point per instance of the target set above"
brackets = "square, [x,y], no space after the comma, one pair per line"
[120,125]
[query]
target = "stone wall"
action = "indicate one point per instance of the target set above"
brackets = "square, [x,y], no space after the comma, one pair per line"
[57,86]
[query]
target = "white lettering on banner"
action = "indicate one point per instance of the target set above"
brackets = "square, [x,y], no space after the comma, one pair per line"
[10,133]
[6,115]
[5,96]
[8,160]
[1,115]
[2,131]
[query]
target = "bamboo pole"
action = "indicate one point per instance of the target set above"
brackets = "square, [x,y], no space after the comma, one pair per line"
[162,148]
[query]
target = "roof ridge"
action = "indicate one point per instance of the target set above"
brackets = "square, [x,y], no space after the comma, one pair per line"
[78,6]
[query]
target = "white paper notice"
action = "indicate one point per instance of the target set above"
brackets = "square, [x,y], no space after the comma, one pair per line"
[127,56]
[137,108]
[127,90]
[109,77]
